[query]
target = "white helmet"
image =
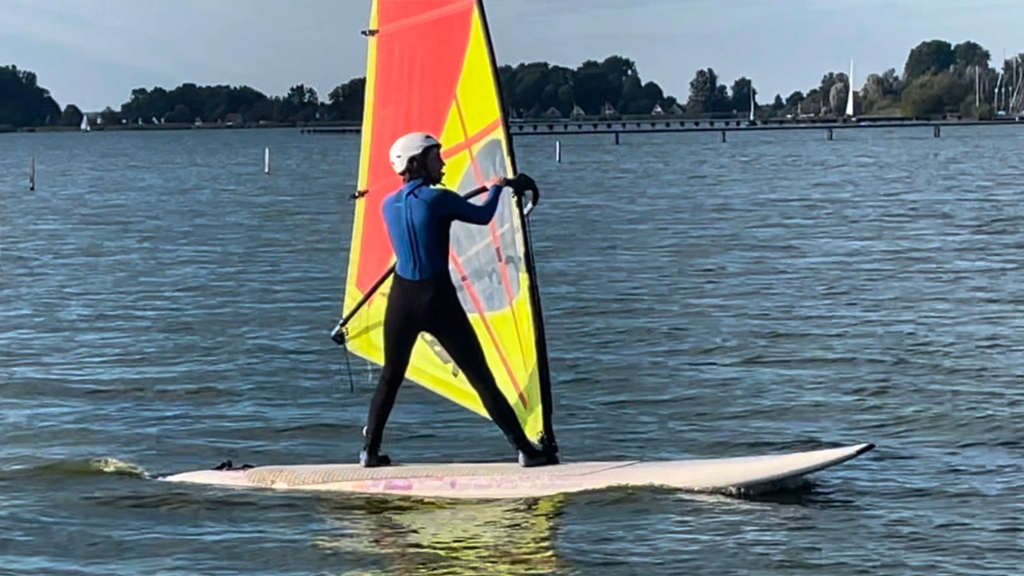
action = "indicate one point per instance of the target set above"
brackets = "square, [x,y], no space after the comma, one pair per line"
[408,146]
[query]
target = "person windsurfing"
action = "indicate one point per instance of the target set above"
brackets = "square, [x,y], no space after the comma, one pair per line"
[418,217]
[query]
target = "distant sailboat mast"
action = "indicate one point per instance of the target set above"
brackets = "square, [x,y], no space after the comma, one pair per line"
[997,96]
[849,98]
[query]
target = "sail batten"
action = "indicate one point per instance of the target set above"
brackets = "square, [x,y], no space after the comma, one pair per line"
[449,89]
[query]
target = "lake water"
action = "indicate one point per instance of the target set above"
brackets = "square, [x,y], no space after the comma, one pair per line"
[164,306]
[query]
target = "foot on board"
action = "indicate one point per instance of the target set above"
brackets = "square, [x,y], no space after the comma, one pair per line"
[371,459]
[549,446]
[533,458]
[228,465]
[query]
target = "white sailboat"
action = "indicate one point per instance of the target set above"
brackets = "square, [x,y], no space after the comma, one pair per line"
[849,97]
[84,126]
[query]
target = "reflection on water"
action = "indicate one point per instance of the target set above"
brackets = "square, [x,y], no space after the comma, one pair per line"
[436,538]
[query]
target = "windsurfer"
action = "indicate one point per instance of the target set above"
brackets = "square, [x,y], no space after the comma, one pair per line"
[419,216]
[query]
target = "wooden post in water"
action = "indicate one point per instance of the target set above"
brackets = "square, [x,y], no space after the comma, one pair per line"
[828,135]
[266,161]
[616,138]
[32,174]
[723,135]
[937,131]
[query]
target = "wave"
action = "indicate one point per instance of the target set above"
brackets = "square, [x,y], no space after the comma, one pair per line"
[78,467]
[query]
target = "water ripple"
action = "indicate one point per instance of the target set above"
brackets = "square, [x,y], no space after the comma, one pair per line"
[164,306]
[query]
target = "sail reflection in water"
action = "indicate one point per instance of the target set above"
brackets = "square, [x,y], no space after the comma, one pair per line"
[425,537]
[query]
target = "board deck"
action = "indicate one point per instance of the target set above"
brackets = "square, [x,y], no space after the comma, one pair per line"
[750,474]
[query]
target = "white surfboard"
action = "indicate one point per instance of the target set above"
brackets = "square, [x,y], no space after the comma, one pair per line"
[744,475]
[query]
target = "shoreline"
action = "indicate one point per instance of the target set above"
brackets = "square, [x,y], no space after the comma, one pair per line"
[561,126]
[153,127]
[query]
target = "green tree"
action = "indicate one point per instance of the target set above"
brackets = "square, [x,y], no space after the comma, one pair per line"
[969,54]
[651,95]
[527,85]
[838,97]
[299,104]
[71,116]
[591,88]
[210,103]
[892,85]
[813,103]
[631,99]
[531,89]
[180,115]
[832,101]
[566,98]
[110,117]
[23,102]
[931,57]
[346,100]
[707,96]
[622,76]
[935,94]
[741,91]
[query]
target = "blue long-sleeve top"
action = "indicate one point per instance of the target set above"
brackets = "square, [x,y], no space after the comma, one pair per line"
[419,219]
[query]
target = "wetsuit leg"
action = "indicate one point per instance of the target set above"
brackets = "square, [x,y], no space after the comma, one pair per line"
[401,328]
[448,322]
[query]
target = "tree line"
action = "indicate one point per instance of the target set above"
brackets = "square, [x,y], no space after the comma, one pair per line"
[938,78]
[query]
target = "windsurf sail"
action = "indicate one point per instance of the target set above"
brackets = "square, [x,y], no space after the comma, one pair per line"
[431,68]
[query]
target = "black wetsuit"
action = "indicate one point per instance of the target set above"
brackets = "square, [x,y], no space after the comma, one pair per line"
[423,299]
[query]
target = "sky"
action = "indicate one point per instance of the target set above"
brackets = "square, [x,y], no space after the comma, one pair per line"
[92,53]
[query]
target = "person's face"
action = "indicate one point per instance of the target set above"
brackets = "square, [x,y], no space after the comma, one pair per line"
[434,165]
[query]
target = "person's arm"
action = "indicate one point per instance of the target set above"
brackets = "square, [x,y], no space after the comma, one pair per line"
[458,208]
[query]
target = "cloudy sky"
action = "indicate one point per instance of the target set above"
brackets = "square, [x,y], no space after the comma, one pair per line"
[93,52]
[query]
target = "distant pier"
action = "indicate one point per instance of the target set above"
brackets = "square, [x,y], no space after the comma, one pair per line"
[355,129]
[655,125]
[543,128]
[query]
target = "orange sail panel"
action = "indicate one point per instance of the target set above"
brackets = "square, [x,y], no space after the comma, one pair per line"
[430,68]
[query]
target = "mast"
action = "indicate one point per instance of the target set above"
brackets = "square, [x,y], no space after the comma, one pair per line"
[543,370]
[849,97]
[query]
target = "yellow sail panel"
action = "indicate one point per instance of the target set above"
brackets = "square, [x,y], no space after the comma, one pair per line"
[353,293]
[478,88]
[487,263]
